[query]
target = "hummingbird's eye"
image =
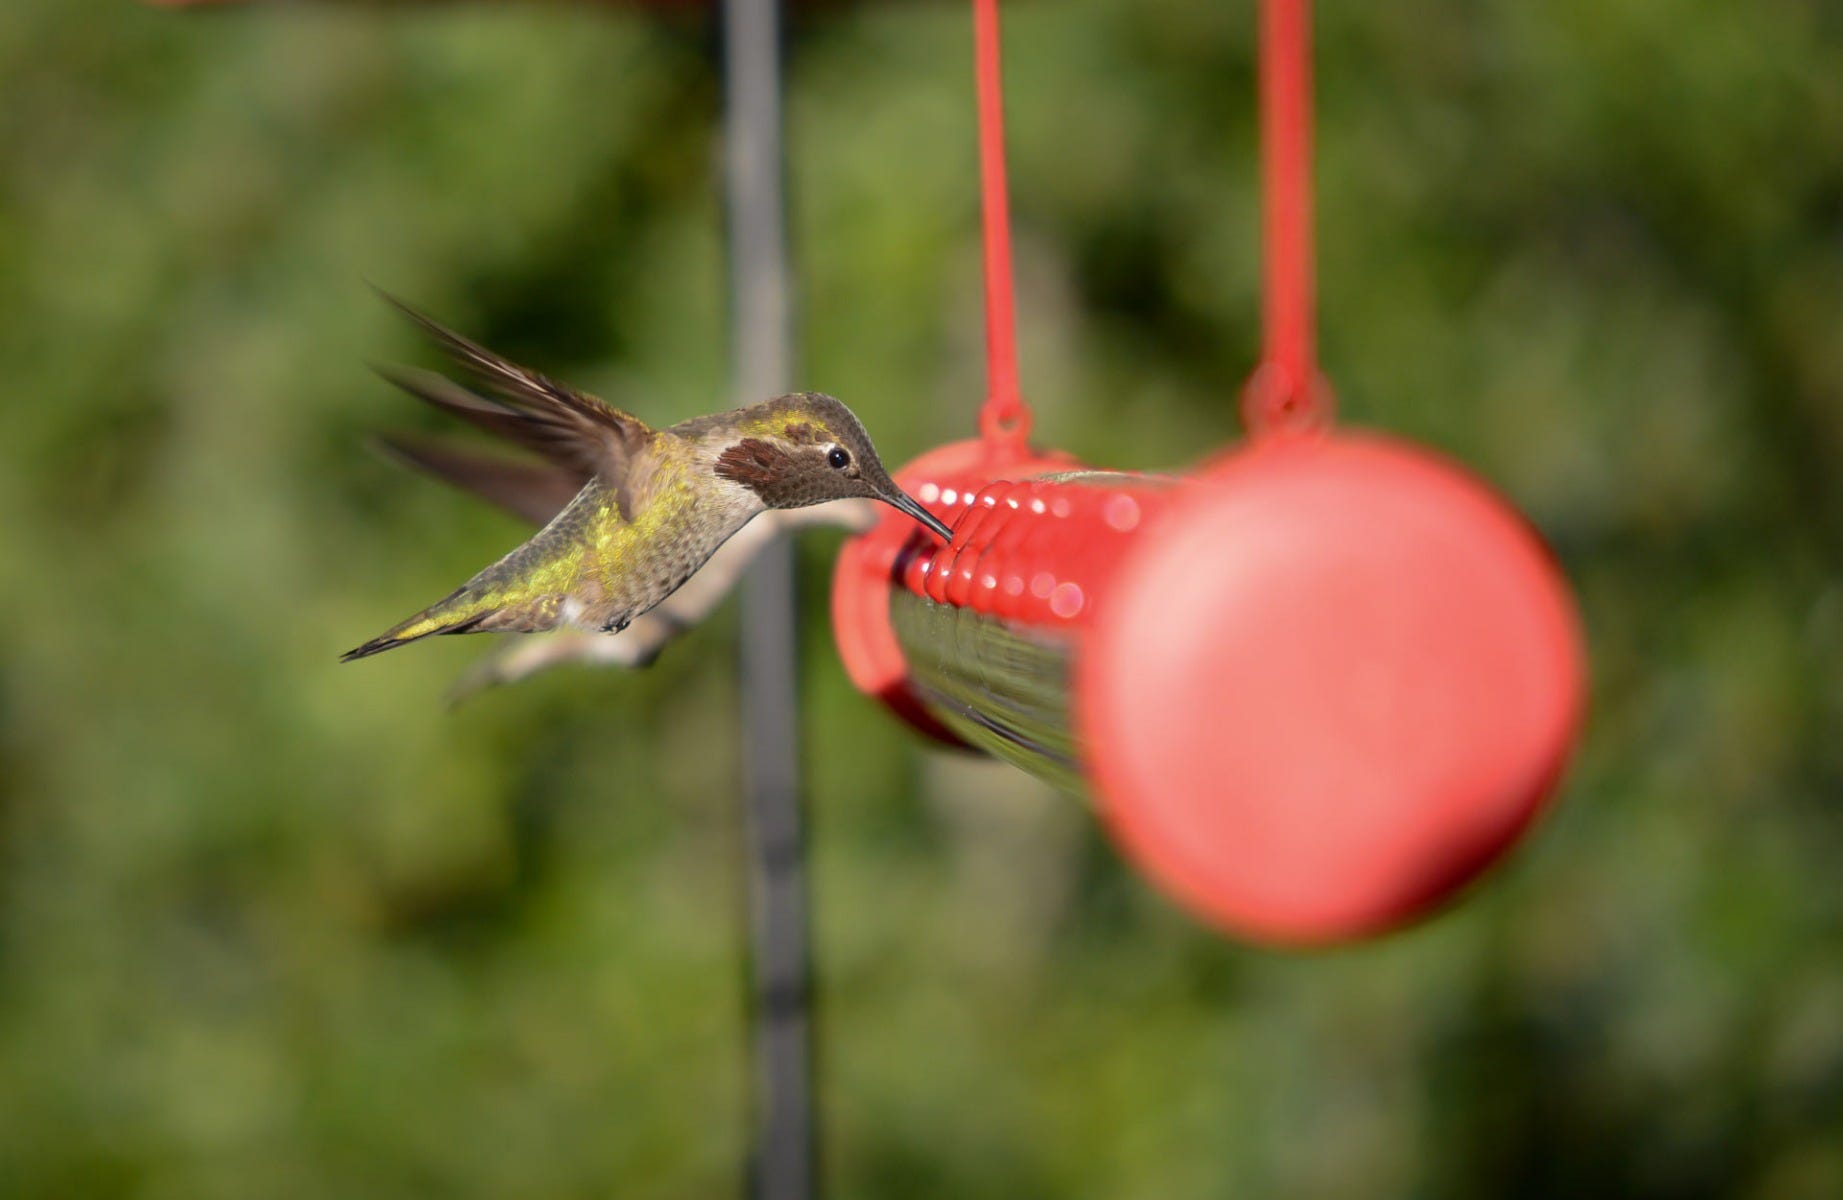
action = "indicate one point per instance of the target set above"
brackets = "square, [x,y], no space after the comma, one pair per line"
[838,459]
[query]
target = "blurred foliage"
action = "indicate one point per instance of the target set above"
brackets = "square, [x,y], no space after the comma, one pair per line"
[274,927]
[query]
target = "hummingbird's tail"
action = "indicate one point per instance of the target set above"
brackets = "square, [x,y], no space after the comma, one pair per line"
[467,610]
[451,615]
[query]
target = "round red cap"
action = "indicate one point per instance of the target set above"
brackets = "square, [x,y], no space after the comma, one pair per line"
[1329,688]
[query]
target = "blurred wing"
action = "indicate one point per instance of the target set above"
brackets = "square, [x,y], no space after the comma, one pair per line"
[505,422]
[573,429]
[533,491]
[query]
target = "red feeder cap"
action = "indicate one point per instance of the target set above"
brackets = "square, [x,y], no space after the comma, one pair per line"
[1329,689]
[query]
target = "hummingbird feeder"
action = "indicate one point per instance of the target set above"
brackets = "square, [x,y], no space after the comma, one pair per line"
[1313,687]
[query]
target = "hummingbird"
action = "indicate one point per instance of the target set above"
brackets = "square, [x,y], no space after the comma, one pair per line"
[653,504]
[537,491]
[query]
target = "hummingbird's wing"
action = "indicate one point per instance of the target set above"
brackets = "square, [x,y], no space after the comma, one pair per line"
[573,429]
[499,419]
[533,491]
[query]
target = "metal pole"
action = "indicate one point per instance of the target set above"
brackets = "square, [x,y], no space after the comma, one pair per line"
[782,1164]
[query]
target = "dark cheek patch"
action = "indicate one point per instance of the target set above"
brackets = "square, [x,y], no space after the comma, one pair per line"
[768,470]
[753,463]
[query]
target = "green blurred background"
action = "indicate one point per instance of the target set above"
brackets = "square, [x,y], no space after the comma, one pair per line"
[275,927]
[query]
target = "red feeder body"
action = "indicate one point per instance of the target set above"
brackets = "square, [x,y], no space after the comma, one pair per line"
[869,567]
[1313,690]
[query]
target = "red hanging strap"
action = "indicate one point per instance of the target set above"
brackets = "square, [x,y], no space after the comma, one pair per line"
[1286,392]
[1004,421]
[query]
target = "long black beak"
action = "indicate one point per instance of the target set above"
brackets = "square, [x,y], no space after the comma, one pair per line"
[907,505]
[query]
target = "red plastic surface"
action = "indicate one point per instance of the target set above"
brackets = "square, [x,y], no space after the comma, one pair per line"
[1004,419]
[1286,393]
[1036,551]
[1330,687]
[945,480]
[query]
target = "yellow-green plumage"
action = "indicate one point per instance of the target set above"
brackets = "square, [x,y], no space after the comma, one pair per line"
[654,505]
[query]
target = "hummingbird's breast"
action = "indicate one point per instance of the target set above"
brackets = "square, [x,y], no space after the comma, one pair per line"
[611,554]
[636,560]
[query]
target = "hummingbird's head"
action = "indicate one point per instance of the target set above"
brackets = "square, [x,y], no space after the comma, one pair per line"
[807,448]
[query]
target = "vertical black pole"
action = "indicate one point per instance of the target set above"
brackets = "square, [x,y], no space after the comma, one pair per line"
[761,310]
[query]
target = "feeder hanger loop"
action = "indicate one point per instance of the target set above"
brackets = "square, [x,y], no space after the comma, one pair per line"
[1286,393]
[1004,420]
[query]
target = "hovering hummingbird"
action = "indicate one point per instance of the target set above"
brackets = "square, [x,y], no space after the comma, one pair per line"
[537,491]
[656,502]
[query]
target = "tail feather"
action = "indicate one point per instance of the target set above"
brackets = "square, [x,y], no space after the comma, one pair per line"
[469,610]
[451,615]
